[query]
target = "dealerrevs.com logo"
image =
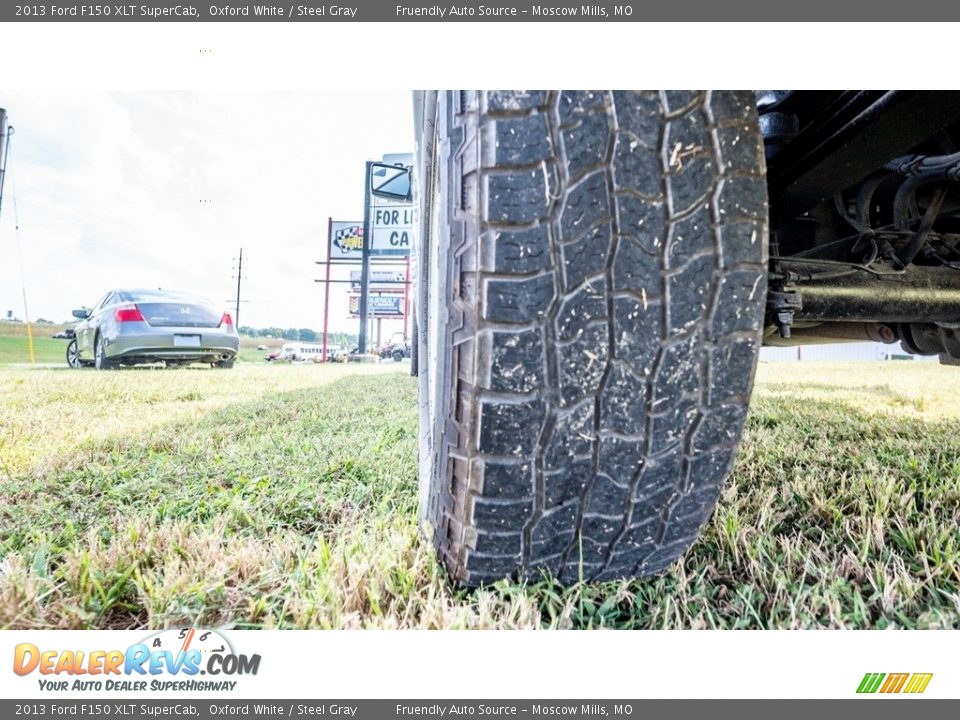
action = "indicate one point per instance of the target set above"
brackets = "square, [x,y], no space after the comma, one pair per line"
[169,660]
[892,683]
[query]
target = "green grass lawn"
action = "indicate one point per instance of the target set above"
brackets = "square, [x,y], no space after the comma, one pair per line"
[15,349]
[285,496]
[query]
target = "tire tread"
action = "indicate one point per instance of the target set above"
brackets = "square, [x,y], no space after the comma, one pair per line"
[607,275]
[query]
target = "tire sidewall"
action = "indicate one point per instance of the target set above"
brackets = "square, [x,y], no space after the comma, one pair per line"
[73,355]
[433,153]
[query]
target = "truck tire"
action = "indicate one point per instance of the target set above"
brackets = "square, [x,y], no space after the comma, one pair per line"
[593,315]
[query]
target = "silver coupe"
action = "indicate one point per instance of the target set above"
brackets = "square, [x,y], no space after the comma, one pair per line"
[132,327]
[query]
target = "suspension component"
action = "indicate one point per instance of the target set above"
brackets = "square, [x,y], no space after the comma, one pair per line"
[932,339]
[783,302]
[928,293]
[803,333]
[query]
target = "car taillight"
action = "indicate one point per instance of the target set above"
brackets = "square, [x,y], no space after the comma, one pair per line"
[227,319]
[130,313]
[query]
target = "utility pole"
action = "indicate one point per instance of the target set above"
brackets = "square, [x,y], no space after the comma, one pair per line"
[236,316]
[5,133]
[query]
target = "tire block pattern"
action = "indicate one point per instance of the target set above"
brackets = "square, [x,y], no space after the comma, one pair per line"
[609,280]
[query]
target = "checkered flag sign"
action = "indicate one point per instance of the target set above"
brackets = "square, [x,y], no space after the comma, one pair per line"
[348,239]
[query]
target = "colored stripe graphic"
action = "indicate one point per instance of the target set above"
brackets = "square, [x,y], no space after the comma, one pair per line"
[893,683]
[918,682]
[870,682]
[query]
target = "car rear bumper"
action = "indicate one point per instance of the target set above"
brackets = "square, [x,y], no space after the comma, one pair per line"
[153,344]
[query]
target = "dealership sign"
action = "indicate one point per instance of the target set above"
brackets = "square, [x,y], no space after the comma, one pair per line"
[392,226]
[392,233]
[346,240]
[388,281]
[378,306]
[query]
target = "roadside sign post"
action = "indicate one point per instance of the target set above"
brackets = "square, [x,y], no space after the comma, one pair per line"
[365,262]
[383,239]
[326,287]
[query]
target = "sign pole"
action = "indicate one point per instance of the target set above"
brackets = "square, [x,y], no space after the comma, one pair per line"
[326,286]
[365,260]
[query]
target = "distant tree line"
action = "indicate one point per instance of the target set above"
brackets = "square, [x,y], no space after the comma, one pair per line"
[299,334]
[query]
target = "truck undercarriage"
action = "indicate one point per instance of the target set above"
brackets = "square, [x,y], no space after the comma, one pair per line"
[865,218]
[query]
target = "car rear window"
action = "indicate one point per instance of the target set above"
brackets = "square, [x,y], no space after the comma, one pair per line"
[138,296]
[174,314]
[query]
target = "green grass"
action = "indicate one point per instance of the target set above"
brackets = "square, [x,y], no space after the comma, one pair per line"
[15,349]
[285,496]
[251,355]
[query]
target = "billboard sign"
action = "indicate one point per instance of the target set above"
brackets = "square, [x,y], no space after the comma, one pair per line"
[388,281]
[392,218]
[392,224]
[379,306]
[346,240]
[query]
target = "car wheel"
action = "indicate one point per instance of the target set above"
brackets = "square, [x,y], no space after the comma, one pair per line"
[593,319]
[225,364]
[73,356]
[101,361]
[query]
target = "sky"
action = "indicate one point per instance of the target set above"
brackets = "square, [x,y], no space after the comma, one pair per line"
[162,189]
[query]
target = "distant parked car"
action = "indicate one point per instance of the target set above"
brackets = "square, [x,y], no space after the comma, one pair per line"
[261,348]
[131,327]
[397,348]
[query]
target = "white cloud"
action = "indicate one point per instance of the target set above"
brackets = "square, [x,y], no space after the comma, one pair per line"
[109,189]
